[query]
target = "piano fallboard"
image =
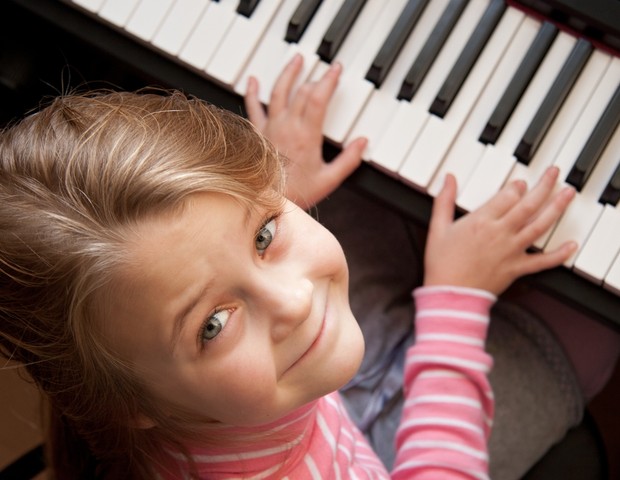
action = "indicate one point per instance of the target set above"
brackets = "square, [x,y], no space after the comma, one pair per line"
[148,65]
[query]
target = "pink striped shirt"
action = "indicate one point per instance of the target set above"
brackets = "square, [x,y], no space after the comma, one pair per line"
[444,428]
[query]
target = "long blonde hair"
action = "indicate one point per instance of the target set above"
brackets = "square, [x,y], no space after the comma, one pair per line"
[73,177]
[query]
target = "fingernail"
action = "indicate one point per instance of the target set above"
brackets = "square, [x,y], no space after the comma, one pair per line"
[296,59]
[336,66]
[520,185]
[569,191]
[553,170]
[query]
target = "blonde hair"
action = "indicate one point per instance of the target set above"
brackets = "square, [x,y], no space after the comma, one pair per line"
[73,177]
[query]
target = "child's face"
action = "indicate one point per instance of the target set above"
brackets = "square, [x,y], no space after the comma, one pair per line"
[233,326]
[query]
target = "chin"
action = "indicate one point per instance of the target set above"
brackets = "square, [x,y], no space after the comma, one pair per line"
[348,357]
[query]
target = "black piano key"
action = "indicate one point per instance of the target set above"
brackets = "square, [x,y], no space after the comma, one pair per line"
[246,7]
[394,42]
[338,29]
[468,57]
[611,194]
[301,19]
[553,101]
[592,150]
[519,82]
[431,49]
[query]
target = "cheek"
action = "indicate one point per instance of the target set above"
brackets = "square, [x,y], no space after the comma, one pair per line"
[323,248]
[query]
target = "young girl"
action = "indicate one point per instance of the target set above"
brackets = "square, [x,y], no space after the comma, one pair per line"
[185,320]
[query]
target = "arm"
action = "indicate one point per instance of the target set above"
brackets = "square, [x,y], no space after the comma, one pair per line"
[294,125]
[448,407]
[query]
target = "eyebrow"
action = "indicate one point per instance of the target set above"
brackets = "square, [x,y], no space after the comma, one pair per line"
[180,320]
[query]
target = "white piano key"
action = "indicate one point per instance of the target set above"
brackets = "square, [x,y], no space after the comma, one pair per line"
[590,115]
[356,54]
[612,279]
[496,160]
[575,224]
[373,119]
[91,5]
[601,248]
[399,136]
[583,212]
[584,125]
[309,42]
[117,12]
[147,17]
[433,143]
[371,22]
[178,25]
[428,151]
[571,113]
[565,119]
[456,161]
[493,169]
[381,28]
[212,26]
[535,92]
[265,63]
[348,100]
[383,102]
[239,43]
[470,151]
[311,39]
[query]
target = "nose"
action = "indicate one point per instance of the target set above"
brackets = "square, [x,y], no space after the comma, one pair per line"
[286,300]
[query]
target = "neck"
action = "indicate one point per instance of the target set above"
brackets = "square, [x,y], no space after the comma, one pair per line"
[279,441]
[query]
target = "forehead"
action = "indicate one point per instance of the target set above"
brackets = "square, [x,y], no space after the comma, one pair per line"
[206,226]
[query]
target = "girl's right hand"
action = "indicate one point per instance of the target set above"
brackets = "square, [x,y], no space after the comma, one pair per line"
[487,248]
[294,124]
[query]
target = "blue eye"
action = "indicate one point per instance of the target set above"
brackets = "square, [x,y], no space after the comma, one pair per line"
[265,235]
[214,325]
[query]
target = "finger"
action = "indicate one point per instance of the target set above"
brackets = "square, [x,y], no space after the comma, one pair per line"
[253,106]
[504,200]
[442,213]
[534,200]
[537,262]
[322,94]
[300,100]
[345,163]
[284,85]
[552,211]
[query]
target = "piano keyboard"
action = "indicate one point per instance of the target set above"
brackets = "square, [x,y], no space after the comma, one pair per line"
[485,89]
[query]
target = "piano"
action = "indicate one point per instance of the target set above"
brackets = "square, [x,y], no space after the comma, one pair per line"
[489,90]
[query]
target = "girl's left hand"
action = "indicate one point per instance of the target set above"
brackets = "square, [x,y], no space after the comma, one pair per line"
[488,248]
[294,124]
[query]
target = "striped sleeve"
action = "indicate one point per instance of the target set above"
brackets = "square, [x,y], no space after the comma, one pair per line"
[449,405]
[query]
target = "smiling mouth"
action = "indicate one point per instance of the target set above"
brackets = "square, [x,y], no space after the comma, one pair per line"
[312,345]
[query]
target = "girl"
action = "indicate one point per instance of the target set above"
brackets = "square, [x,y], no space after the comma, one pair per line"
[185,320]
